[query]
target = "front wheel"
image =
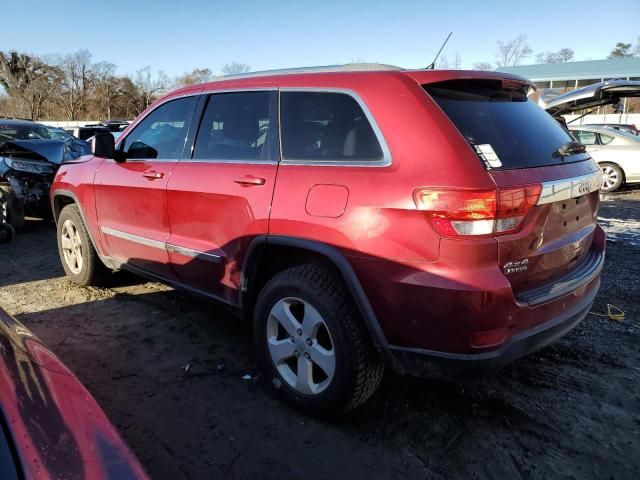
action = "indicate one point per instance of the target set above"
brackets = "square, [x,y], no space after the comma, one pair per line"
[314,349]
[14,207]
[77,253]
[612,177]
[7,233]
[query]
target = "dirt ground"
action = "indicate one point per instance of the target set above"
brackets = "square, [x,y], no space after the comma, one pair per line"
[570,411]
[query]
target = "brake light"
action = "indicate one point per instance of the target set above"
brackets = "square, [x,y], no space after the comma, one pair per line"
[477,212]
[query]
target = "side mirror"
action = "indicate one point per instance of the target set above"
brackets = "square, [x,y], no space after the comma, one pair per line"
[103,146]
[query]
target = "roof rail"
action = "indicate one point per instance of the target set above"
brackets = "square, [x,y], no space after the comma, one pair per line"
[348,67]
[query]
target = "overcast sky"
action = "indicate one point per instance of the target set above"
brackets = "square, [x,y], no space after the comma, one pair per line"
[180,35]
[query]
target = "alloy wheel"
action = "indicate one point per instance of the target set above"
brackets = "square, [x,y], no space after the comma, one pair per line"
[301,346]
[71,246]
[610,177]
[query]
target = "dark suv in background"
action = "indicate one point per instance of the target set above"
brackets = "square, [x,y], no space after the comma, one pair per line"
[30,154]
[436,222]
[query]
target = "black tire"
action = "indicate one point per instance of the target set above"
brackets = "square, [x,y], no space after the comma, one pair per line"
[92,271]
[7,233]
[358,367]
[15,207]
[612,171]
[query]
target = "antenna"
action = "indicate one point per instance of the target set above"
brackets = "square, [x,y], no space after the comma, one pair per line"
[432,65]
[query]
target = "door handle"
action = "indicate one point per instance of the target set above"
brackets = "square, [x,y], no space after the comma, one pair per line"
[153,175]
[249,180]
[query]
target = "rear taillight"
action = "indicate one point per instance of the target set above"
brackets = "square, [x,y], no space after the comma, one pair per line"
[456,213]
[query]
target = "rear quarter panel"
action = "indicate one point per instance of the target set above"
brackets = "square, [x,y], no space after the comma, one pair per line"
[380,218]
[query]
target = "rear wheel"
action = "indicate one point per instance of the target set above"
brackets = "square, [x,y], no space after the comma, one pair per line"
[77,253]
[313,347]
[612,177]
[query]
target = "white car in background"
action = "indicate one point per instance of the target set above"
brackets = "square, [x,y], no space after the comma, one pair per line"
[617,152]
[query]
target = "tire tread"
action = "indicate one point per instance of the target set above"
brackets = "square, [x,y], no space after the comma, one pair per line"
[369,368]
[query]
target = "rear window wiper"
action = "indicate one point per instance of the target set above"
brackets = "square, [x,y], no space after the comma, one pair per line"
[570,148]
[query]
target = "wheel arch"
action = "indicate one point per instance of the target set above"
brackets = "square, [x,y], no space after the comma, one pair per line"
[62,198]
[258,268]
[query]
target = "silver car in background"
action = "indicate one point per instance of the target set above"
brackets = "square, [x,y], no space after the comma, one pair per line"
[617,152]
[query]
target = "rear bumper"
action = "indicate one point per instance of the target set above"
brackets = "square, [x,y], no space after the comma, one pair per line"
[421,362]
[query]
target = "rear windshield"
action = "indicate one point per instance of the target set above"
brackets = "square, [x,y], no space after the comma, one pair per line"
[505,129]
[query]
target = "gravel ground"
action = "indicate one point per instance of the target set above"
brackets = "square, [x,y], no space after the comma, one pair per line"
[570,411]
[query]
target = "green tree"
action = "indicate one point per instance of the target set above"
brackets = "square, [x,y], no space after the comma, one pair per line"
[621,50]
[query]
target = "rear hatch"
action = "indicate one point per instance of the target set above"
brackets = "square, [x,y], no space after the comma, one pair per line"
[551,229]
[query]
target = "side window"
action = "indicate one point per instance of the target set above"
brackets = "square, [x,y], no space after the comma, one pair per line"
[326,126]
[161,134]
[585,137]
[238,126]
[605,139]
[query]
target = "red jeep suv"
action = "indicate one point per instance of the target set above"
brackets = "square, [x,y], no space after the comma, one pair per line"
[436,222]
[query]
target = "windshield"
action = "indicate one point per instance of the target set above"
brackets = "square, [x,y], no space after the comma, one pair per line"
[505,129]
[624,133]
[56,133]
[10,132]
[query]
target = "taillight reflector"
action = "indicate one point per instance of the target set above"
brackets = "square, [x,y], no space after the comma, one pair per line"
[477,212]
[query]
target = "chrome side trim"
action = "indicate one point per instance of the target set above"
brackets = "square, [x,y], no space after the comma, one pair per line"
[189,252]
[133,238]
[567,188]
[386,153]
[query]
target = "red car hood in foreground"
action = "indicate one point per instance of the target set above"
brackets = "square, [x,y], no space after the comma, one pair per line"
[54,428]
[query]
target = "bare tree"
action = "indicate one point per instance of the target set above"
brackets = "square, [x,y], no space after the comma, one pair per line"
[106,88]
[235,68]
[443,63]
[486,66]
[513,52]
[149,87]
[565,55]
[197,75]
[561,56]
[76,83]
[621,50]
[28,81]
[457,61]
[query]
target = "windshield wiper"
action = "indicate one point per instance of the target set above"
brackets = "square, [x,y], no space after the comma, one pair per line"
[570,148]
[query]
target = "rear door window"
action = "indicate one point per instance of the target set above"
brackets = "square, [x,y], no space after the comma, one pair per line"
[606,139]
[326,126]
[502,124]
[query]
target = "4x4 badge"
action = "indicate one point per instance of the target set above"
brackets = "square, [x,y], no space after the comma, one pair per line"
[515,267]
[584,186]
